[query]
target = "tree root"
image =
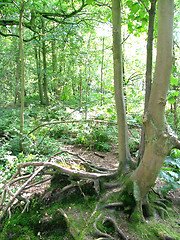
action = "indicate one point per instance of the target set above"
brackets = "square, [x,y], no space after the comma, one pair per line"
[38,170]
[103,199]
[111,221]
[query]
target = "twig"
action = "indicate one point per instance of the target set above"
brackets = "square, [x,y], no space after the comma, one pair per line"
[144,5]
[19,191]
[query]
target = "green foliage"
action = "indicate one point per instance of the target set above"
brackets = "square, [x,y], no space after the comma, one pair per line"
[97,137]
[170,172]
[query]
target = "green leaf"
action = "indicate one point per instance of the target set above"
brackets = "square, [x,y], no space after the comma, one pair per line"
[171,100]
[173,174]
[89,2]
[174,81]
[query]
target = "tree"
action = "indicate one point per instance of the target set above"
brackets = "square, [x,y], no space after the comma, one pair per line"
[22,73]
[148,79]
[159,139]
[124,154]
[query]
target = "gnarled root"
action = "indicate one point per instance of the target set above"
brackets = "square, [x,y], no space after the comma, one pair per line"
[109,221]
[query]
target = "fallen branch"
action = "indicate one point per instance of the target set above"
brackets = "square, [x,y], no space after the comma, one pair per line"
[9,204]
[77,121]
[74,174]
[83,161]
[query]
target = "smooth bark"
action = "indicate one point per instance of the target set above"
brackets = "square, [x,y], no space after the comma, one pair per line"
[159,137]
[148,79]
[124,154]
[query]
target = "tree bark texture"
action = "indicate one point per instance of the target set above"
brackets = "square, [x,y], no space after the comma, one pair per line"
[124,154]
[159,137]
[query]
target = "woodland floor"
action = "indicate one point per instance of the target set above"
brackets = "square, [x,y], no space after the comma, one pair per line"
[110,160]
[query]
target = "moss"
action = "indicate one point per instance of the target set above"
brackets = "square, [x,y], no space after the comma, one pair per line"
[45,220]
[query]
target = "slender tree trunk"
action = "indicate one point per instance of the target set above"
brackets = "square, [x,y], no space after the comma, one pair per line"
[54,65]
[87,74]
[175,98]
[21,54]
[54,56]
[124,154]
[17,93]
[38,67]
[159,138]
[148,79]
[80,89]
[175,115]
[102,68]
[45,85]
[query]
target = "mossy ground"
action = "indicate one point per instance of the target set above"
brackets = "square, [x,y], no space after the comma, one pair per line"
[45,220]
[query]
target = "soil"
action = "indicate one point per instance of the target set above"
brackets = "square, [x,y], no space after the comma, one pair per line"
[106,159]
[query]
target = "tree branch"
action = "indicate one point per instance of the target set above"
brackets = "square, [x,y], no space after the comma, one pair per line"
[141,1]
[103,5]
[62,15]
[13,22]
[15,35]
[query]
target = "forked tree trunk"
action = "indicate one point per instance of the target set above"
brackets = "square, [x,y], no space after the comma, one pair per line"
[159,137]
[124,153]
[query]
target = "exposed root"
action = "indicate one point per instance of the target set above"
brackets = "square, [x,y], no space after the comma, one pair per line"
[109,220]
[103,199]
[162,211]
[39,170]
[68,222]
[98,232]
[119,232]
[112,205]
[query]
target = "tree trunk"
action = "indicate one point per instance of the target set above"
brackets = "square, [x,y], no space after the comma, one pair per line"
[38,67]
[80,89]
[148,80]
[22,74]
[102,67]
[45,87]
[159,138]
[54,65]
[17,93]
[124,154]
[87,76]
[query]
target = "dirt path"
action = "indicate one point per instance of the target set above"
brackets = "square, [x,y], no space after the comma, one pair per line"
[106,159]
